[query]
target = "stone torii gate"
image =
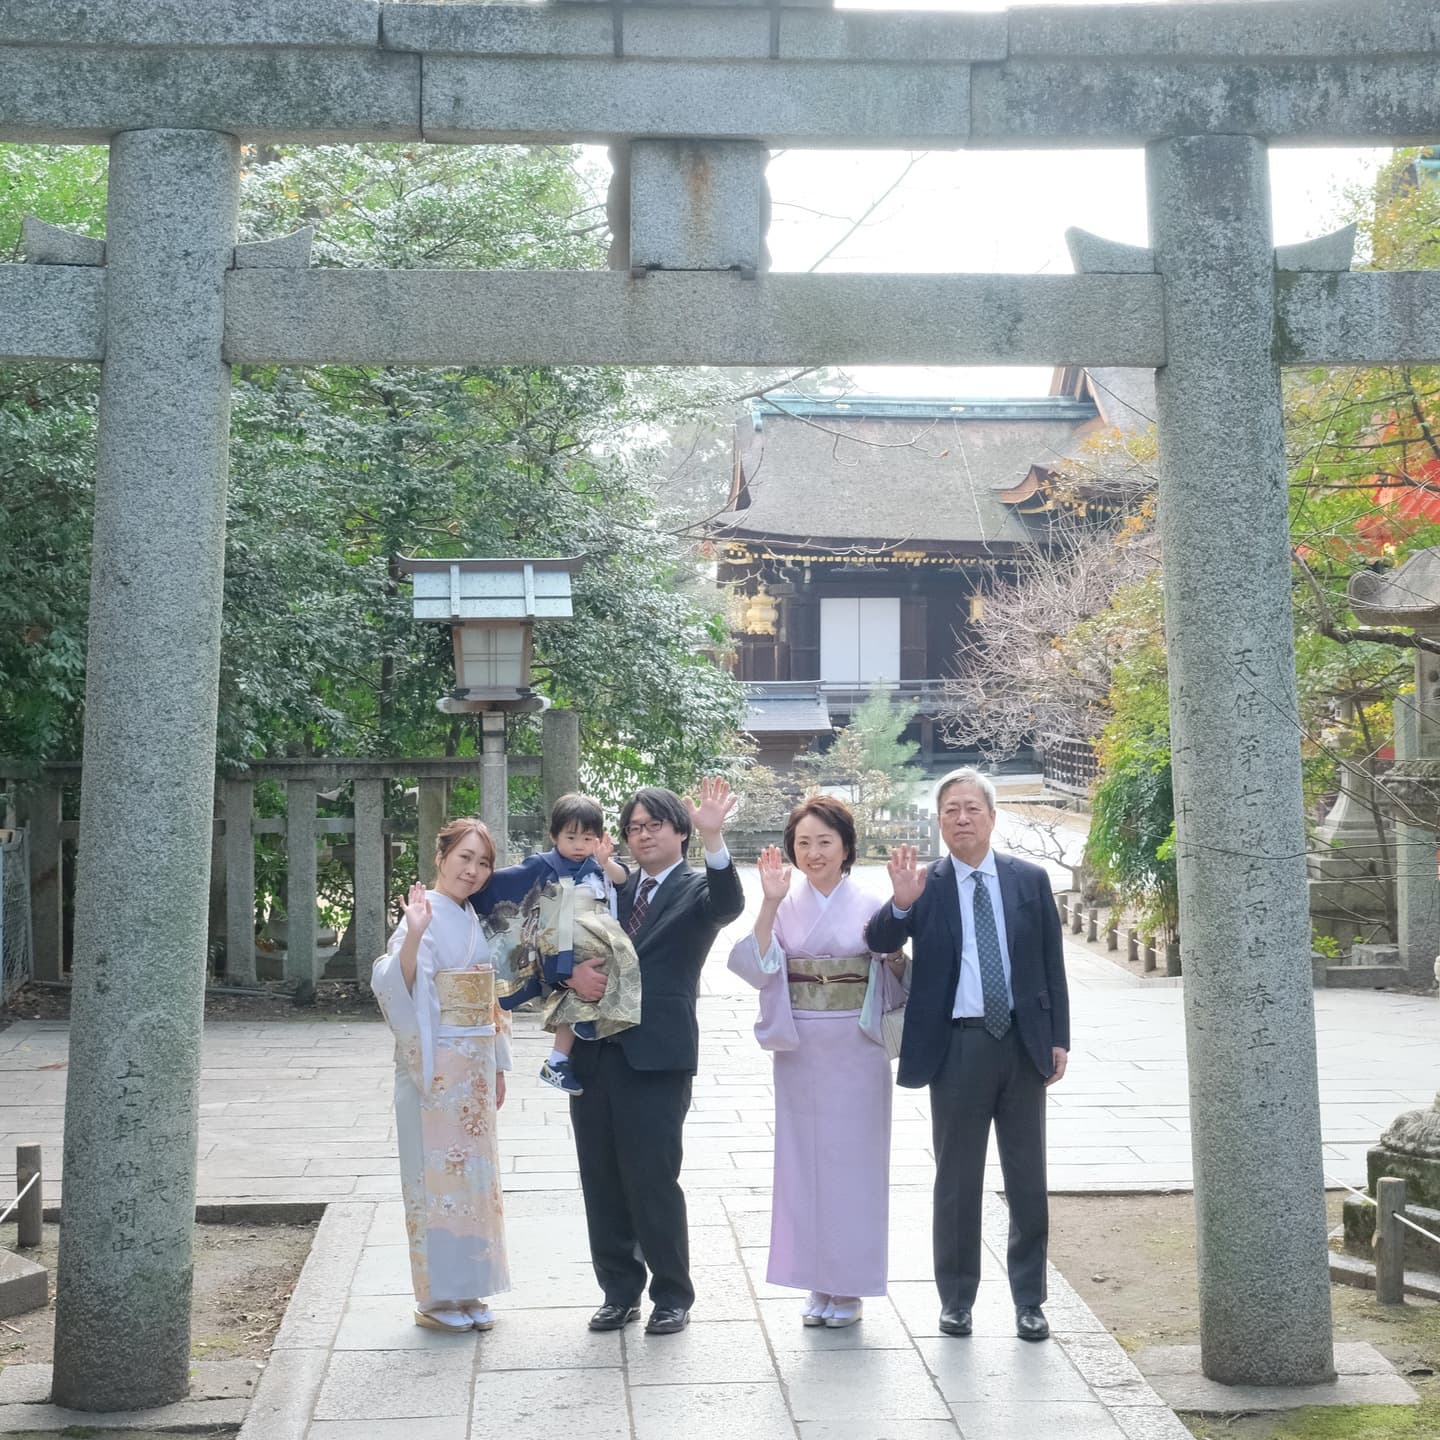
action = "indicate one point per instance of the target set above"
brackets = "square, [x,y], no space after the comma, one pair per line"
[692,95]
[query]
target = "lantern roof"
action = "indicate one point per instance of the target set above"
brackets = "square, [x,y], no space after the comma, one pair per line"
[506,588]
[1409,595]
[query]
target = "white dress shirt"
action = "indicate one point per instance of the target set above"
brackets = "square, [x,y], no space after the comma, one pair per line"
[969,993]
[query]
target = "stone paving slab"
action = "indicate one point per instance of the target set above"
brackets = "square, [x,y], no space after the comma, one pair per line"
[745,1365]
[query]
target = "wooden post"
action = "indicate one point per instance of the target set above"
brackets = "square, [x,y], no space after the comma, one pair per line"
[1147,954]
[1112,935]
[300,883]
[1077,916]
[495,782]
[1132,945]
[1062,904]
[47,889]
[239,882]
[1389,1241]
[29,1215]
[430,820]
[369,917]
[1092,926]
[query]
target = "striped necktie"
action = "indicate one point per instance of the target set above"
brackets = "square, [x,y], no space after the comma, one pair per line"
[641,907]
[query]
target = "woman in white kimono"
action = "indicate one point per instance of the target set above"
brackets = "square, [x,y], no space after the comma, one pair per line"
[822,995]
[452,1049]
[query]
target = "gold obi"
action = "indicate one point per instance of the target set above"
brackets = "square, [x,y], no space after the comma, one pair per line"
[467,997]
[830,984]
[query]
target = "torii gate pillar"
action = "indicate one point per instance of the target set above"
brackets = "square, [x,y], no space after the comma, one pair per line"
[122,1321]
[1249,1008]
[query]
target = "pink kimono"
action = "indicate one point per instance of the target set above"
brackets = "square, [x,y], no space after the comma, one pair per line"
[821,998]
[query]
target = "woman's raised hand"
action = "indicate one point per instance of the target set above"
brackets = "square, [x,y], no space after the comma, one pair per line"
[907,876]
[417,910]
[774,874]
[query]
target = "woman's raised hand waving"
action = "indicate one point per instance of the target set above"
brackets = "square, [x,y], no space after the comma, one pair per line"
[774,874]
[418,913]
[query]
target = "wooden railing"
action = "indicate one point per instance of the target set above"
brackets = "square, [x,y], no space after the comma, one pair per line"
[1071,765]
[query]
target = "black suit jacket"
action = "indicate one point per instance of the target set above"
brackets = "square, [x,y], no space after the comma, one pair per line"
[1037,965]
[686,913]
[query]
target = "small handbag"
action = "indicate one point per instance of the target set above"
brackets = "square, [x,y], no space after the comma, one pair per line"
[892,1023]
[892,1030]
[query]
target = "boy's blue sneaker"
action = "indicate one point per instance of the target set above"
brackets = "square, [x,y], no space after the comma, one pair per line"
[584,1029]
[562,1077]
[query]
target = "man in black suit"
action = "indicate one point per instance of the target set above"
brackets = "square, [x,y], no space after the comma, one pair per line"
[987,1027]
[629,1121]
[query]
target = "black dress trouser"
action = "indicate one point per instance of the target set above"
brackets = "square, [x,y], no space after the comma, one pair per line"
[628,1137]
[985,1080]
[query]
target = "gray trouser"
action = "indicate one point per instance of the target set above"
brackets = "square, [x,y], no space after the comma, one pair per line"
[985,1080]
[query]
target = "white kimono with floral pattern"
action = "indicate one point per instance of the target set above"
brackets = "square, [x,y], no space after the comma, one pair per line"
[445,1115]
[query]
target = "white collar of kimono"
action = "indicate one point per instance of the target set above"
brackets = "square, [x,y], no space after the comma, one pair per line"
[821,898]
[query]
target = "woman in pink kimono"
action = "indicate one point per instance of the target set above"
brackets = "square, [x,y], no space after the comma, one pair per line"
[436,987]
[822,995]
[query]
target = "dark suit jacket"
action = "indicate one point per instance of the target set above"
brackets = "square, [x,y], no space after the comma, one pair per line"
[686,913]
[1037,965]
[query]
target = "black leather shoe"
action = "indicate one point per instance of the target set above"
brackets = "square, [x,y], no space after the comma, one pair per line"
[955,1322]
[614,1317]
[666,1322]
[1030,1323]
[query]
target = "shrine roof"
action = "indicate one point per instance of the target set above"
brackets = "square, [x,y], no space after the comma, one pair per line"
[886,469]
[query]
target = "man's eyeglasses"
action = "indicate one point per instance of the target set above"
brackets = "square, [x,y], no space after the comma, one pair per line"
[644,827]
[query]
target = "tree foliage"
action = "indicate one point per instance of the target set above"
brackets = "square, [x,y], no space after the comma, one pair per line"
[869,757]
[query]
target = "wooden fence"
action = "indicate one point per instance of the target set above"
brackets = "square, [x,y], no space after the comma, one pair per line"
[47,804]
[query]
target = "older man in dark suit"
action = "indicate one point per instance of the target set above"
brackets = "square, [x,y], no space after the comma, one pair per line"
[629,1121]
[987,1028]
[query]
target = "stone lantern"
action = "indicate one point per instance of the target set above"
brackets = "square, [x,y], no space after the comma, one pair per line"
[491,606]
[1410,597]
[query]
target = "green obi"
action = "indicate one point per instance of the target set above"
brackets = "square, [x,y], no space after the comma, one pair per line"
[832,984]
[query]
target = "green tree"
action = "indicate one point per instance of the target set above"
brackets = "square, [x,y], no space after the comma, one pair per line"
[1131,844]
[869,757]
[47,423]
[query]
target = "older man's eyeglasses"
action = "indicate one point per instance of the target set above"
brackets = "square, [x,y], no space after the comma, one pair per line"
[644,827]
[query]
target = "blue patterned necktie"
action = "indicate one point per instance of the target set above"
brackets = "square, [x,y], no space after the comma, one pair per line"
[992,968]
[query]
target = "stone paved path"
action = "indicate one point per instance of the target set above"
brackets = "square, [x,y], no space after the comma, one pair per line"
[300,1111]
